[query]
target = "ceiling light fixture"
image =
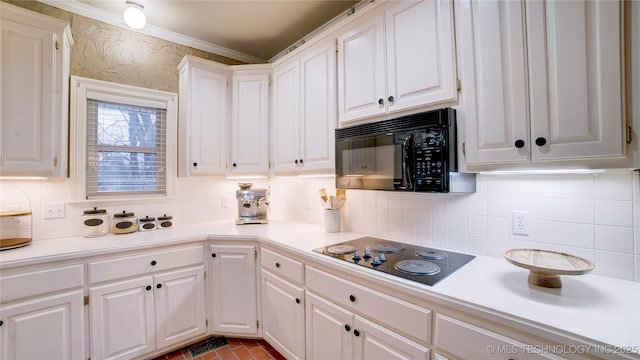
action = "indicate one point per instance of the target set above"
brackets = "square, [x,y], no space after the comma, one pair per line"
[134,15]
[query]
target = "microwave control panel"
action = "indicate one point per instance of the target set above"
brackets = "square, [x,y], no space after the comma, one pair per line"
[430,161]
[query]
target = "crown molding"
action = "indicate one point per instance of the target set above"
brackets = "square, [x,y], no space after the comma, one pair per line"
[79,8]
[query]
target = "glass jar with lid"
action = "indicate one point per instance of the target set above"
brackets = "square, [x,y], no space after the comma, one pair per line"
[95,222]
[124,223]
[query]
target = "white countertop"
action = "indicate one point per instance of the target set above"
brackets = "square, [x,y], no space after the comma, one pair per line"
[599,309]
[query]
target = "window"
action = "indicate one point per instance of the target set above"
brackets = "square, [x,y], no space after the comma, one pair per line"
[124,140]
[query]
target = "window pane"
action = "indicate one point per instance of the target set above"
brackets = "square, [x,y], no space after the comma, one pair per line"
[125,149]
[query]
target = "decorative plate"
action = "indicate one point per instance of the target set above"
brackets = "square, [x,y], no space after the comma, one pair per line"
[545,267]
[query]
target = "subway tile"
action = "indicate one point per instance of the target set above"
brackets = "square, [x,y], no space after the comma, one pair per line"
[614,187]
[546,231]
[423,219]
[616,265]
[395,216]
[615,239]
[477,225]
[578,210]
[440,221]
[577,187]
[499,226]
[522,186]
[477,204]
[547,209]
[498,186]
[498,206]
[408,217]
[613,212]
[547,186]
[408,234]
[458,241]
[458,223]
[579,235]
[496,246]
[477,244]
[458,204]
[408,201]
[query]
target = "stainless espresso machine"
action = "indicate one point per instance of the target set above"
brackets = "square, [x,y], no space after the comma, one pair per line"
[253,205]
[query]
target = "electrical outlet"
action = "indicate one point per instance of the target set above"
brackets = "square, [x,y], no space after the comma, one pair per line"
[520,222]
[53,210]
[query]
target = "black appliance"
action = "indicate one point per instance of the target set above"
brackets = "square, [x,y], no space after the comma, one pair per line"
[410,153]
[418,263]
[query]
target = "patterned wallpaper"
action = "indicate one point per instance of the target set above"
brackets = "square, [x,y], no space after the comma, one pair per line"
[111,53]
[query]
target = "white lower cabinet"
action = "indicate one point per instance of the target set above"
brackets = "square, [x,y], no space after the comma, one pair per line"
[146,302]
[233,289]
[352,336]
[283,315]
[48,327]
[42,313]
[467,341]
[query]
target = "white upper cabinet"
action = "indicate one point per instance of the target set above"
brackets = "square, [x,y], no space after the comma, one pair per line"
[250,122]
[34,101]
[401,59]
[304,111]
[202,117]
[541,82]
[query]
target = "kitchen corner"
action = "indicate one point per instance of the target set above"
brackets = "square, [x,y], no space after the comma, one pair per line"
[589,310]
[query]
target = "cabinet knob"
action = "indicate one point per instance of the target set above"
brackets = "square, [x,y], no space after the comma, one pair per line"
[148,287]
[519,143]
[391,99]
[352,298]
[295,161]
[277,264]
[380,101]
[541,141]
[301,161]
[1,322]
[195,164]
[356,332]
[234,165]
[347,327]
[213,255]
[153,263]
[297,301]
[159,286]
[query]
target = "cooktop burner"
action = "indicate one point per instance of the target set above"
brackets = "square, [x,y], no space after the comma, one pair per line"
[418,263]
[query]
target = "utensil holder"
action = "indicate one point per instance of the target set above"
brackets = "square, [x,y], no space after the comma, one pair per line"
[333,220]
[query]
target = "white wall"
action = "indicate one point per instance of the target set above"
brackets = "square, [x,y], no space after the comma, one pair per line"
[596,217]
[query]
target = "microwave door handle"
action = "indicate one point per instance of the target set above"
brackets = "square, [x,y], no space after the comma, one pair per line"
[407,148]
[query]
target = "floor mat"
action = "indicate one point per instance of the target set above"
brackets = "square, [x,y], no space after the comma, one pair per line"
[207,345]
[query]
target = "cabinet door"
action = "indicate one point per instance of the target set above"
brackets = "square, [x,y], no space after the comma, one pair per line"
[575,74]
[283,316]
[122,319]
[50,327]
[203,114]
[179,305]
[327,324]
[286,117]
[233,289]
[420,54]
[28,108]
[491,56]
[361,71]
[318,83]
[376,342]
[250,125]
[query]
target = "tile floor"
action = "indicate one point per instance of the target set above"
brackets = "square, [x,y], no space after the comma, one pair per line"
[236,349]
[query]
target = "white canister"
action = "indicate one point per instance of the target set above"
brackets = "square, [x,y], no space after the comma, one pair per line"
[95,222]
[124,223]
[165,222]
[146,223]
[333,220]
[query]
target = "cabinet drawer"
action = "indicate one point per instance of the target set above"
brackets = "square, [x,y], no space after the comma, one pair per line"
[468,341]
[283,266]
[145,263]
[31,283]
[403,317]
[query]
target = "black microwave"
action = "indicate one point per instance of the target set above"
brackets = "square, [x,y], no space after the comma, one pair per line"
[410,153]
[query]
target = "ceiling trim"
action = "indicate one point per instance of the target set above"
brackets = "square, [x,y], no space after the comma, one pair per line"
[117,20]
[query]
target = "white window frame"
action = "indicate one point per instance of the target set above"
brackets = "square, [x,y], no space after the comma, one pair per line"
[83,89]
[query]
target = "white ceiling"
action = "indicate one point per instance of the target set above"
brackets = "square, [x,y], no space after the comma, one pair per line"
[260,29]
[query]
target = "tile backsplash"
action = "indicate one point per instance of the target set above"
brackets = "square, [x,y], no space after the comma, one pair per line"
[593,216]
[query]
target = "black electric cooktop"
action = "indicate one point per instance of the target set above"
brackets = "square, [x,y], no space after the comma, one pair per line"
[418,263]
